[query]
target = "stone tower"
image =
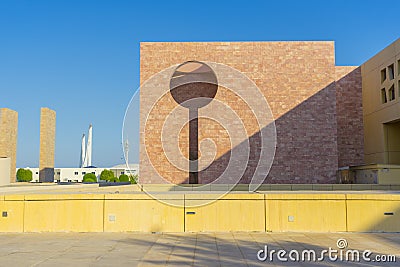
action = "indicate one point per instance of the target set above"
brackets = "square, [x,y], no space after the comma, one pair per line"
[47,144]
[8,138]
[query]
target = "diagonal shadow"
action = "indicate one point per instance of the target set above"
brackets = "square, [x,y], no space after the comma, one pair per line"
[313,139]
[227,249]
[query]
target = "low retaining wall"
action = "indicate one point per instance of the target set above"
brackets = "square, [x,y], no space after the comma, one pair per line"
[309,212]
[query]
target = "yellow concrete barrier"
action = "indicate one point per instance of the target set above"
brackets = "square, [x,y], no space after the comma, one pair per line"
[64,213]
[12,213]
[305,212]
[373,213]
[233,212]
[139,212]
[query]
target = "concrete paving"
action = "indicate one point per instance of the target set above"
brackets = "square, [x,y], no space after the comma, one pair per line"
[185,249]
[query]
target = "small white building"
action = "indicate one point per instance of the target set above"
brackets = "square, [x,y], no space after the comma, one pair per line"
[76,174]
[132,170]
[35,174]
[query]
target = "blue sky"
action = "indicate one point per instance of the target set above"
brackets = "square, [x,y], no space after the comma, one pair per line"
[81,58]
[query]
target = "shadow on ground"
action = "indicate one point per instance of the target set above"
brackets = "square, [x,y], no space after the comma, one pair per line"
[235,249]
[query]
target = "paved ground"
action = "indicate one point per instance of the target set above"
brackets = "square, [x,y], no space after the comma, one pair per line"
[181,249]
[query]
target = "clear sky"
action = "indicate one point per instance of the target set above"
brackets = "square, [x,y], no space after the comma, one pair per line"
[81,58]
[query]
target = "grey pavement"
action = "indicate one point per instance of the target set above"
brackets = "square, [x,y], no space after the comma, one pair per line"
[184,249]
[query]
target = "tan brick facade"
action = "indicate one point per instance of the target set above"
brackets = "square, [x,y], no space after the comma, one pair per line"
[47,144]
[8,138]
[298,81]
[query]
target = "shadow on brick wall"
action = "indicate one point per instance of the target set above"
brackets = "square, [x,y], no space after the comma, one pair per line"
[313,138]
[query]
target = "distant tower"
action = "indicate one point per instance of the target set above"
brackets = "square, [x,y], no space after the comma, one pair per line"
[86,150]
[8,138]
[126,146]
[47,144]
[83,152]
[89,147]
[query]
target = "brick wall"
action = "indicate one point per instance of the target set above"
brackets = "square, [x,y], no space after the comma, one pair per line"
[349,116]
[296,78]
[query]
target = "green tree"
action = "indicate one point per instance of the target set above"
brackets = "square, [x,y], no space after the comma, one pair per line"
[114,180]
[124,178]
[24,175]
[89,178]
[133,178]
[106,175]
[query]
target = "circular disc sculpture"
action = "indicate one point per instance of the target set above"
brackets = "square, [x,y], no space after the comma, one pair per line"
[193,85]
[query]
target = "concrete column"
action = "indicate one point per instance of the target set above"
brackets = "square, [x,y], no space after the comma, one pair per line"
[47,144]
[8,138]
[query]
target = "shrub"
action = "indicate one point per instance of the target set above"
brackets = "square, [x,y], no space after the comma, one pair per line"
[114,180]
[24,175]
[133,178]
[106,175]
[89,178]
[124,178]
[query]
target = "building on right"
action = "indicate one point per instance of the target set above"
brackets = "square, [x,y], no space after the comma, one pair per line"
[380,78]
[381,106]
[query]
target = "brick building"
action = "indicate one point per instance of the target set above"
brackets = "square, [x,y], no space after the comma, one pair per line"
[316,108]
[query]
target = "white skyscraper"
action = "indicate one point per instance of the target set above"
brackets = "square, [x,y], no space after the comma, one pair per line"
[89,147]
[83,151]
[86,150]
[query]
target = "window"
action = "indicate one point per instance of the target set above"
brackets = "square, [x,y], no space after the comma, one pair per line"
[398,67]
[391,72]
[83,173]
[383,96]
[398,87]
[58,173]
[383,75]
[122,173]
[391,93]
[76,173]
[37,172]
[93,172]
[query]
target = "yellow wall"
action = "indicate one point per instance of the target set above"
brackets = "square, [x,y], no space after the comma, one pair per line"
[14,206]
[366,213]
[392,138]
[63,213]
[313,212]
[234,212]
[139,212]
[309,212]
[377,175]
[389,176]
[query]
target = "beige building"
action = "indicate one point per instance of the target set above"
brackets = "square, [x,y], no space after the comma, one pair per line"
[381,106]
